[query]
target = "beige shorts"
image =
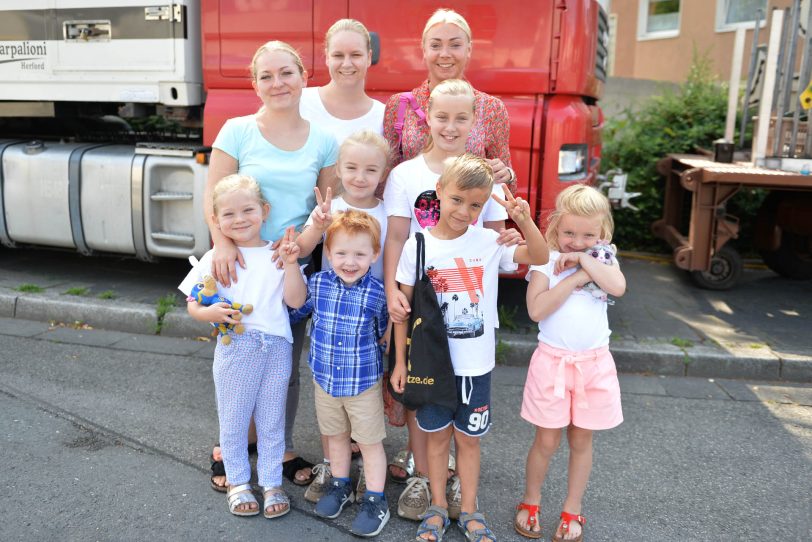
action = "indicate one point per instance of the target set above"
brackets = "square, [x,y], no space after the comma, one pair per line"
[362,415]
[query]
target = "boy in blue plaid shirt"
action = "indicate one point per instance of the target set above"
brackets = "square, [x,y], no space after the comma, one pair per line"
[349,321]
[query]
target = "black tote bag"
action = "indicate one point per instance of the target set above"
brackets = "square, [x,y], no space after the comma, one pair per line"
[430,375]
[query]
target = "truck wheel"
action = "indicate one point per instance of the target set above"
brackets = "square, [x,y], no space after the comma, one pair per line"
[793,258]
[725,270]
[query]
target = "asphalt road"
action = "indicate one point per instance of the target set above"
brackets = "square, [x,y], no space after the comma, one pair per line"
[107,443]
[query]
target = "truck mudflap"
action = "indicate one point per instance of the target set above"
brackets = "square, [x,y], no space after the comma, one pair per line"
[102,198]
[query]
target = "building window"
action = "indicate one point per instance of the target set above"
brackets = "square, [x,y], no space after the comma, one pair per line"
[658,19]
[733,14]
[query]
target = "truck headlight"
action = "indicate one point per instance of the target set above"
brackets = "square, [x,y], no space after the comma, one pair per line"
[572,162]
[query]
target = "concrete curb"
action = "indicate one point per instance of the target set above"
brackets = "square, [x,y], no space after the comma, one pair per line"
[106,314]
[649,357]
[178,323]
[8,302]
[662,358]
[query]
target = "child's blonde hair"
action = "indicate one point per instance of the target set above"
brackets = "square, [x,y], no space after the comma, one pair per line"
[354,222]
[350,25]
[584,201]
[369,138]
[234,182]
[468,172]
[449,16]
[449,87]
[276,45]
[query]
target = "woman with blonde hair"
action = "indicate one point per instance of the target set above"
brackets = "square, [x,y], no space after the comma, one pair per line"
[447,47]
[288,156]
[342,107]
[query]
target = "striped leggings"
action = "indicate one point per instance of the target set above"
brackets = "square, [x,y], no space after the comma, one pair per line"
[251,379]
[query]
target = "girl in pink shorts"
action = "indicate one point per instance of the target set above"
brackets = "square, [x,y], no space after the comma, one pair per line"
[572,380]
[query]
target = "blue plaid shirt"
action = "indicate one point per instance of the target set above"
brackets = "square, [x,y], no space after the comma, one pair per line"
[347,323]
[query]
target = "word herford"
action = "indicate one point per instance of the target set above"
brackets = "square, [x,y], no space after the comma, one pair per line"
[25,48]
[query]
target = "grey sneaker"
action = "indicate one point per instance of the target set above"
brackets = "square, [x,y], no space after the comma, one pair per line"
[318,487]
[361,488]
[415,499]
[453,495]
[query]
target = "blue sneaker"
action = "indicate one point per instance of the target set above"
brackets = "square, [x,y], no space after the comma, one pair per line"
[338,495]
[372,516]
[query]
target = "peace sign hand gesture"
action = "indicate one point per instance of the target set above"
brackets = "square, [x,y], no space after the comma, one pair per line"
[321,215]
[517,208]
[288,248]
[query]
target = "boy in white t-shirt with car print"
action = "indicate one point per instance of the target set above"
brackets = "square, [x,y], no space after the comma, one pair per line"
[463,264]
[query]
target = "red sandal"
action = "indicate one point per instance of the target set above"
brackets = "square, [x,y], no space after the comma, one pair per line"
[566,517]
[532,512]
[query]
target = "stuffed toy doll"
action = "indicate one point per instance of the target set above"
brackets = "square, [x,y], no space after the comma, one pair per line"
[205,293]
[604,254]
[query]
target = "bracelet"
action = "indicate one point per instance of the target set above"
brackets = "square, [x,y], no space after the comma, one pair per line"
[512,175]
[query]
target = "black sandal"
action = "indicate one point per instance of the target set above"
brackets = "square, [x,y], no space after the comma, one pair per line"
[292,466]
[218,468]
[355,454]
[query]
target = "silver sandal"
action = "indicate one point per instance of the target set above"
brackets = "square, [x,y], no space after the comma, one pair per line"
[402,460]
[238,495]
[272,496]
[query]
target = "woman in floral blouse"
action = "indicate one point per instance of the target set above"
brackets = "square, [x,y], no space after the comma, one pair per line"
[446,51]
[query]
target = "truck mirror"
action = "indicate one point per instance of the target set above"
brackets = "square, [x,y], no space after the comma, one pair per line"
[375,42]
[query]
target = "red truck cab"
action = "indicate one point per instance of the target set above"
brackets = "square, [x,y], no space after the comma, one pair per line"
[108,108]
[546,63]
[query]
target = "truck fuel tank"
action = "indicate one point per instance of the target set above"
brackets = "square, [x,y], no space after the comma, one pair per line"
[91,197]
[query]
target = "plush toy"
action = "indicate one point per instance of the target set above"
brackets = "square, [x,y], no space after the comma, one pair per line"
[606,255]
[205,293]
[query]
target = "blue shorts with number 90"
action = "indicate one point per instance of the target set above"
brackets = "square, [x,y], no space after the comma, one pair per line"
[473,414]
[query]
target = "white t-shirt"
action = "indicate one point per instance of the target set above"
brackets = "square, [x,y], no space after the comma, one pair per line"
[580,323]
[312,109]
[410,193]
[378,213]
[465,275]
[260,284]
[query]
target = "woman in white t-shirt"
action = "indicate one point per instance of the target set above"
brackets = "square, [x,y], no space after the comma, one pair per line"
[341,106]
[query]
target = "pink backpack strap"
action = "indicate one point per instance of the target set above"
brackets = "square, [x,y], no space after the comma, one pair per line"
[407,99]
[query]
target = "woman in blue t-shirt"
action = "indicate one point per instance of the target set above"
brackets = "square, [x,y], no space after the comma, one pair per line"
[288,156]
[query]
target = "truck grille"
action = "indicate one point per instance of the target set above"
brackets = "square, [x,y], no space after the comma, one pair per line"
[602,50]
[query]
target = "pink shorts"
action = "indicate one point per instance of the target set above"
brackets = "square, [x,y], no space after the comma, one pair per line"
[578,388]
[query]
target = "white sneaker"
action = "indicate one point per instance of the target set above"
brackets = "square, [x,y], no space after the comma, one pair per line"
[415,499]
[318,487]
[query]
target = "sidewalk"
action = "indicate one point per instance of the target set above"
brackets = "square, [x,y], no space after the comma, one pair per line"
[663,325]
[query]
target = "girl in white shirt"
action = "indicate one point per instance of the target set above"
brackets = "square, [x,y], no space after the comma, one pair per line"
[412,205]
[572,380]
[251,365]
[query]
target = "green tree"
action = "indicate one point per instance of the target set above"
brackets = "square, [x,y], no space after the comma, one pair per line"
[674,122]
